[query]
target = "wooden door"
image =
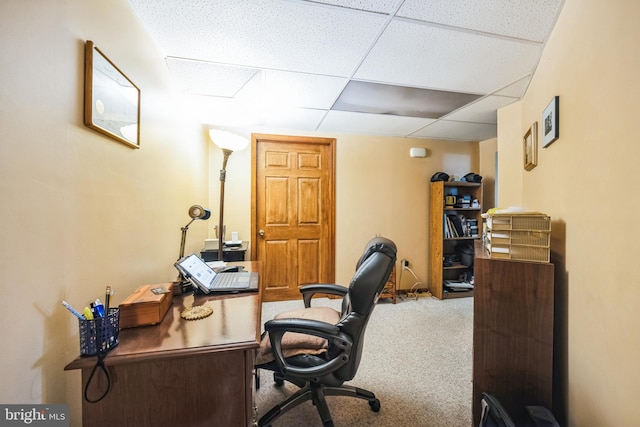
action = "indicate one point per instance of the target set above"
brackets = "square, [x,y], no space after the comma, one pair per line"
[293,212]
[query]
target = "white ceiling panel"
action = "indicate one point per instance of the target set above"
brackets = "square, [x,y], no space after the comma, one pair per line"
[527,20]
[462,131]
[437,58]
[295,118]
[226,111]
[516,89]
[206,78]
[382,6]
[482,111]
[376,124]
[272,34]
[303,90]
[284,63]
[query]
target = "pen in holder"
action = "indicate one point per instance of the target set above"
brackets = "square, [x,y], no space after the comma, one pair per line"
[100,334]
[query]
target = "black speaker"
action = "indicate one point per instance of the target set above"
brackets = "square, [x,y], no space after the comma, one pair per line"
[439,176]
[472,177]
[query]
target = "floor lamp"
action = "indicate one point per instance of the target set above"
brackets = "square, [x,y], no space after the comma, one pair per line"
[228,142]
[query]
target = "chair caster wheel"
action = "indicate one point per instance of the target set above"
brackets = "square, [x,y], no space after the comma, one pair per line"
[375,405]
[277,380]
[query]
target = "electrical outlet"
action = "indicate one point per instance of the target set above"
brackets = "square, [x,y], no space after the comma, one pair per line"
[405,263]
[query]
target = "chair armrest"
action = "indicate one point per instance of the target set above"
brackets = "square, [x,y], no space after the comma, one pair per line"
[278,327]
[309,291]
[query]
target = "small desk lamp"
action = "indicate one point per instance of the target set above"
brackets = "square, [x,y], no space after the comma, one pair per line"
[195,212]
[228,142]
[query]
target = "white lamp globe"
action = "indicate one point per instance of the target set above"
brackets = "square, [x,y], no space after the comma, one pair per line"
[227,140]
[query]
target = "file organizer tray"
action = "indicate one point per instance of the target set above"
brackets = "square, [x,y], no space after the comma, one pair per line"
[537,222]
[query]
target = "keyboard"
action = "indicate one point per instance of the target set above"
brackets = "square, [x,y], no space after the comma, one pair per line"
[231,281]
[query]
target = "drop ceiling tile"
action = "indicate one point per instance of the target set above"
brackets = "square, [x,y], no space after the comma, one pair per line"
[271,34]
[206,78]
[225,111]
[482,111]
[304,51]
[435,58]
[461,131]
[376,98]
[295,118]
[516,89]
[528,20]
[302,90]
[382,6]
[375,124]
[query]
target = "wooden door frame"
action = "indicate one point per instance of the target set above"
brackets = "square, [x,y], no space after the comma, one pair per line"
[331,143]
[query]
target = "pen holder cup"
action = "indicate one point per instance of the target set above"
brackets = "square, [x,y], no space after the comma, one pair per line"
[99,335]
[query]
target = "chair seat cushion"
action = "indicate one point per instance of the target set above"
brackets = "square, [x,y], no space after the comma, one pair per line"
[296,343]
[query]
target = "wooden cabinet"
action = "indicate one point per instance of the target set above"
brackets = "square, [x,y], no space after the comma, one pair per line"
[389,290]
[464,202]
[512,333]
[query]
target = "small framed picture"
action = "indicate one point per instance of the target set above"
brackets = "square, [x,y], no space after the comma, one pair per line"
[530,147]
[551,122]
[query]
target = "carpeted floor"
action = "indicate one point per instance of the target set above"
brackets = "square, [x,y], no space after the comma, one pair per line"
[417,361]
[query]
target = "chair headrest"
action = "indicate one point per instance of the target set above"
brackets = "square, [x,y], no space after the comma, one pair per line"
[378,244]
[371,275]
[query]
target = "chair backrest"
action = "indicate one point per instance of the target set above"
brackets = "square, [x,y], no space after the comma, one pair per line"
[372,272]
[377,244]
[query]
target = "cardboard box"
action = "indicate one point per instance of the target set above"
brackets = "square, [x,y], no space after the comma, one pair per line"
[146,306]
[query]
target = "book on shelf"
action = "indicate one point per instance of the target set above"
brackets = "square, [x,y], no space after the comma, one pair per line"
[458,224]
[450,229]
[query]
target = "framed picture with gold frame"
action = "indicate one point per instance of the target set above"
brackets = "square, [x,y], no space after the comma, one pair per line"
[530,147]
[111,100]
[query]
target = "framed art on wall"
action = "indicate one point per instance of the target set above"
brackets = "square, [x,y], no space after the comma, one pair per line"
[530,147]
[551,122]
[111,100]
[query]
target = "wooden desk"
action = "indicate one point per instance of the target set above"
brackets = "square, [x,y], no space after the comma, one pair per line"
[179,372]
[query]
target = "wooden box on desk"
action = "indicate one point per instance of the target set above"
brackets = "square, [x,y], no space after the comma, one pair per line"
[145,307]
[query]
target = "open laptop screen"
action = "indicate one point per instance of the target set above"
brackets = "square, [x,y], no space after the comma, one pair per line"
[193,267]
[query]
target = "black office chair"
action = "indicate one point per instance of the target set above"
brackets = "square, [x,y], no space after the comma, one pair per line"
[334,354]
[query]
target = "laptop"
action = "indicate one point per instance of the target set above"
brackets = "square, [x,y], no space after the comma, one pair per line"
[207,280]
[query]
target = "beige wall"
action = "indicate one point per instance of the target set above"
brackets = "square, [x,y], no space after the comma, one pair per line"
[381,190]
[487,170]
[81,211]
[584,180]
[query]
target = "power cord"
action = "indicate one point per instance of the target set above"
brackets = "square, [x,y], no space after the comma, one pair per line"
[412,294]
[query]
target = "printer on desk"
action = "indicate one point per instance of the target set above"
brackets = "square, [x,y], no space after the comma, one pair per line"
[231,251]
